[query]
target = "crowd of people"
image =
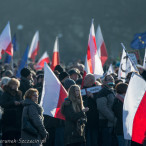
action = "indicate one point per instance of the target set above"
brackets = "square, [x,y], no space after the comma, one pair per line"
[94,119]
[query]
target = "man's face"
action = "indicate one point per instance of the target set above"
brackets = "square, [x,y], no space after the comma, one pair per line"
[74,77]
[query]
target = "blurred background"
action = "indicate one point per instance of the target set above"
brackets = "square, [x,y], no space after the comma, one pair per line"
[71,19]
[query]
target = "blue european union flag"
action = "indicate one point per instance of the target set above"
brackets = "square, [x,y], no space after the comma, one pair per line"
[23,62]
[14,42]
[139,41]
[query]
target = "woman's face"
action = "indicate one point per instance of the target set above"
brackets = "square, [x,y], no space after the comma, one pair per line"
[14,87]
[34,97]
[77,92]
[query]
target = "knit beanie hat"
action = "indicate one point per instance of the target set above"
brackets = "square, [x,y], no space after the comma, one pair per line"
[25,72]
[68,83]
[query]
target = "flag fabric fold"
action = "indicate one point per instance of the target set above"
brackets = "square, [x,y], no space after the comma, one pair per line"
[144,60]
[42,60]
[5,41]
[134,115]
[110,70]
[101,48]
[53,94]
[125,67]
[34,47]
[55,58]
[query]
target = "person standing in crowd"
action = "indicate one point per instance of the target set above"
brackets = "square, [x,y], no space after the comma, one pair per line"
[26,81]
[75,117]
[39,85]
[59,132]
[12,111]
[92,115]
[105,99]
[121,89]
[74,74]
[34,113]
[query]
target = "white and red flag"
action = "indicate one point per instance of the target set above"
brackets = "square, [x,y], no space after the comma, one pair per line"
[34,47]
[5,41]
[42,60]
[134,110]
[53,94]
[92,61]
[55,58]
[101,48]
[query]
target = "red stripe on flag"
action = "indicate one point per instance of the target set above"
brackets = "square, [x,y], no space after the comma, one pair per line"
[139,122]
[9,49]
[34,53]
[55,60]
[40,65]
[62,96]
[89,62]
[104,55]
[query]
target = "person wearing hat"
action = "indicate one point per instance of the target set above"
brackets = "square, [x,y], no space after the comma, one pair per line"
[26,81]
[62,76]
[74,74]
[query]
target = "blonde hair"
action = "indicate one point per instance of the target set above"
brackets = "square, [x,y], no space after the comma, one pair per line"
[77,102]
[29,93]
[13,81]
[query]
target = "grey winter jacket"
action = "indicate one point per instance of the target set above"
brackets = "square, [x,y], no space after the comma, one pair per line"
[104,106]
[35,114]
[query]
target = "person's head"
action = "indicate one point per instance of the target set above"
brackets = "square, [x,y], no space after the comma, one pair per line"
[75,97]
[89,80]
[109,81]
[121,88]
[40,79]
[14,84]
[74,74]
[26,73]
[68,83]
[59,68]
[63,76]
[4,81]
[8,73]
[32,94]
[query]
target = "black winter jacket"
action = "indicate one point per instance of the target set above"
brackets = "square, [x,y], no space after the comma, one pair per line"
[74,124]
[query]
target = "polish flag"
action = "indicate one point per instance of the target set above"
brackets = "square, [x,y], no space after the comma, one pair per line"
[53,94]
[34,47]
[42,60]
[55,58]
[5,41]
[92,61]
[134,110]
[101,48]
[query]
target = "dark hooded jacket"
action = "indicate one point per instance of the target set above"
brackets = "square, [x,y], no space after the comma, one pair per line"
[25,84]
[35,114]
[74,124]
[11,117]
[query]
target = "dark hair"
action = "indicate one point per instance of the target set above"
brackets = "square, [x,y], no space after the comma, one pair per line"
[121,88]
